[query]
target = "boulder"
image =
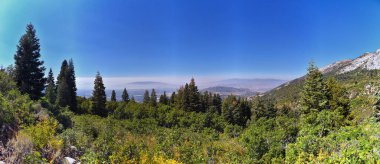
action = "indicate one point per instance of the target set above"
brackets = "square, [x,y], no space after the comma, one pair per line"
[69,160]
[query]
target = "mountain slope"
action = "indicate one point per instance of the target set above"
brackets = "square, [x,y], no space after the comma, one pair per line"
[358,75]
[367,61]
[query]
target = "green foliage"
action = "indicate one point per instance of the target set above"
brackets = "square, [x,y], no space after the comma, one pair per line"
[164,99]
[113,96]
[99,98]
[350,144]
[29,70]
[16,109]
[194,96]
[44,139]
[338,97]
[66,90]
[314,93]
[125,96]
[72,86]
[263,107]
[153,99]
[267,139]
[118,141]
[50,92]
[6,83]
[146,99]
[236,110]
[63,94]
[84,105]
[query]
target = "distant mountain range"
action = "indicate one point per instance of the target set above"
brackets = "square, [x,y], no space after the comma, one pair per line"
[149,85]
[254,85]
[225,91]
[239,87]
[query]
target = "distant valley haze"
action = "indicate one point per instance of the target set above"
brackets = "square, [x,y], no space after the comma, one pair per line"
[137,85]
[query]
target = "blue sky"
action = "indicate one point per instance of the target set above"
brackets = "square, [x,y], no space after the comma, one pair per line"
[221,38]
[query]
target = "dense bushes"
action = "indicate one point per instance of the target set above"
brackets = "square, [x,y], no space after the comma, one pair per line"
[107,139]
[17,109]
[350,144]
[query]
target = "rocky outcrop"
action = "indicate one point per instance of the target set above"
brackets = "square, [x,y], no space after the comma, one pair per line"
[69,160]
[368,61]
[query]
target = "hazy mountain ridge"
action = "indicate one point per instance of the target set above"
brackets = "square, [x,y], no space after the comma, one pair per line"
[255,84]
[225,91]
[240,87]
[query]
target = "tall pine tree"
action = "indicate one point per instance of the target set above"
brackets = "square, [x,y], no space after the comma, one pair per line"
[113,96]
[72,86]
[173,99]
[29,69]
[146,99]
[63,91]
[194,97]
[99,98]
[164,99]
[314,93]
[153,98]
[50,92]
[125,96]
[185,102]
[217,104]
[66,86]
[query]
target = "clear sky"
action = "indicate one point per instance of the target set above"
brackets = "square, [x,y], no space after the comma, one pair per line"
[224,38]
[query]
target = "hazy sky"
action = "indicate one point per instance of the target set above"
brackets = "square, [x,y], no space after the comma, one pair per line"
[200,38]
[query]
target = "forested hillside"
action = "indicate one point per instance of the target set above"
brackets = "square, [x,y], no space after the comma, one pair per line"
[315,119]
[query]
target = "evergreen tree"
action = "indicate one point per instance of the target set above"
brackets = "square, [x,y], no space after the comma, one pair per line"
[71,82]
[242,113]
[29,69]
[236,111]
[113,96]
[314,93]
[50,92]
[112,105]
[153,98]
[133,99]
[194,97]
[338,97]
[63,92]
[99,98]
[206,101]
[146,99]
[228,107]
[66,86]
[185,102]
[125,96]
[178,98]
[173,99]
[217,104]
[164,99]
[263,108]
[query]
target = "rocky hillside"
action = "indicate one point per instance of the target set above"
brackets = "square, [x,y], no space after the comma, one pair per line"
[367,61]
[360,76]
